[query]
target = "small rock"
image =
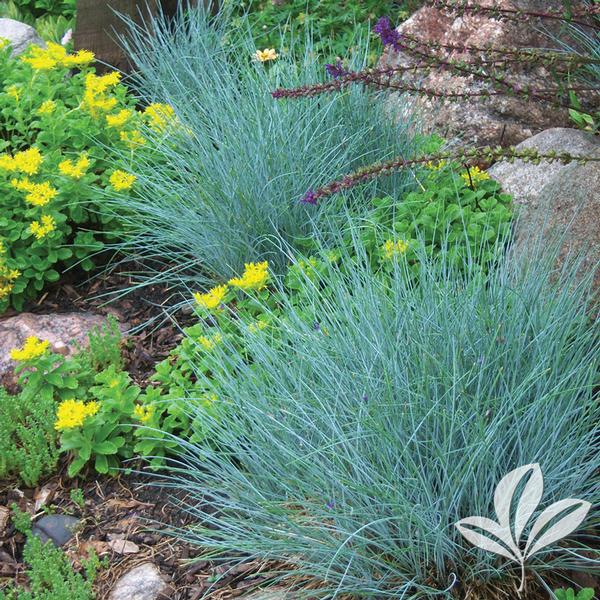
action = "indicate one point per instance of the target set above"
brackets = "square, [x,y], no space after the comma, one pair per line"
[20,35]
[4,516]
[144,582]
[64,331]
[56,528]
[123,547]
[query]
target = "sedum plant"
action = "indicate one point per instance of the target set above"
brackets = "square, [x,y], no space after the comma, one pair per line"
[374,410]
[57,133]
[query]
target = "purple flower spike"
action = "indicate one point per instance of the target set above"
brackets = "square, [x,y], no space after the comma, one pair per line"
[389,36]
[310,197]
[330,504]
[336,71]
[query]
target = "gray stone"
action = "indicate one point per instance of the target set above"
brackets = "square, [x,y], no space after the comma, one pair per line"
[557,200]
[20,35]
[143,582]
[56,528]
[500,118]
[65,332]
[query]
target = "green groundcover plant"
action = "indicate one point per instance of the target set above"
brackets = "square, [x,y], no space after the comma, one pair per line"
[229,181]
[337,26]
[49,572]
[374,410]
[58,131]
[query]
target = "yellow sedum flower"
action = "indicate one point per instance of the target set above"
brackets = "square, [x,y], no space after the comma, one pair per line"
[132,139]
[160,116]
[4,42]
[42,228]
[33,348]
[47,108]
[54,56]
[38,194]
[474,175]
[14,91]
[143,413]
[95,99]
[73,413]
[27,161]
[255,277]
[77,169]
[7,276]
[120,180]
[213,299]
[257,326]
[391,249]
[119,119]
[208,343]
[265,55]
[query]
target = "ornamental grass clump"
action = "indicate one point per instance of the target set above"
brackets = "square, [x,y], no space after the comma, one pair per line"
[230,179]
[385,410]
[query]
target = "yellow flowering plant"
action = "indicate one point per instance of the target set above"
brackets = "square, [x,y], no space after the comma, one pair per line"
[68,136]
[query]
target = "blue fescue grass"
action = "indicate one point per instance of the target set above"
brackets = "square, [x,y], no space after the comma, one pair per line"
[354,445]
[227,189]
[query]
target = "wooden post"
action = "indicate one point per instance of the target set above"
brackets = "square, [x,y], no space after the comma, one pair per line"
[97,26]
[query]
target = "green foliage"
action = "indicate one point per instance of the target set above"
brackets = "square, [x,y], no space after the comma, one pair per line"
[50,27]
[20,519]
[56,165]
[570,594]
[77,497]
[375,410]
[103,436]
[29,445]
[51,576]
[336,26]
[39,8]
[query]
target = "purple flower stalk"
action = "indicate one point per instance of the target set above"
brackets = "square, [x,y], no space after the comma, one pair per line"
[310,197]
[336,71]
[389,36]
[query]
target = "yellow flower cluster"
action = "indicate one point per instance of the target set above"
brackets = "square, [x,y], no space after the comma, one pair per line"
[160,116]
[77,169]
[95,99]
[255,277]
[391,248]
[7,276]
[119,119]
[143,413]
[73,413]
[32,348]
[474,176]
[43,228]
[14,91]
[265,55]
[27,161]
[213,299]
[47,107]
[208,343]
[38,194]
[120,180]
[257,326]
[132,139]
[55,55]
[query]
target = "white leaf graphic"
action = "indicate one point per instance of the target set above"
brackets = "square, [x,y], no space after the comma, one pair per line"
[560,529]
[506,490]
[529,500]
[486,543]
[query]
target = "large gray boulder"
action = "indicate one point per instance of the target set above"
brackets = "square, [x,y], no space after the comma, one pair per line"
[502,119]
[555,200]
[20,35]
